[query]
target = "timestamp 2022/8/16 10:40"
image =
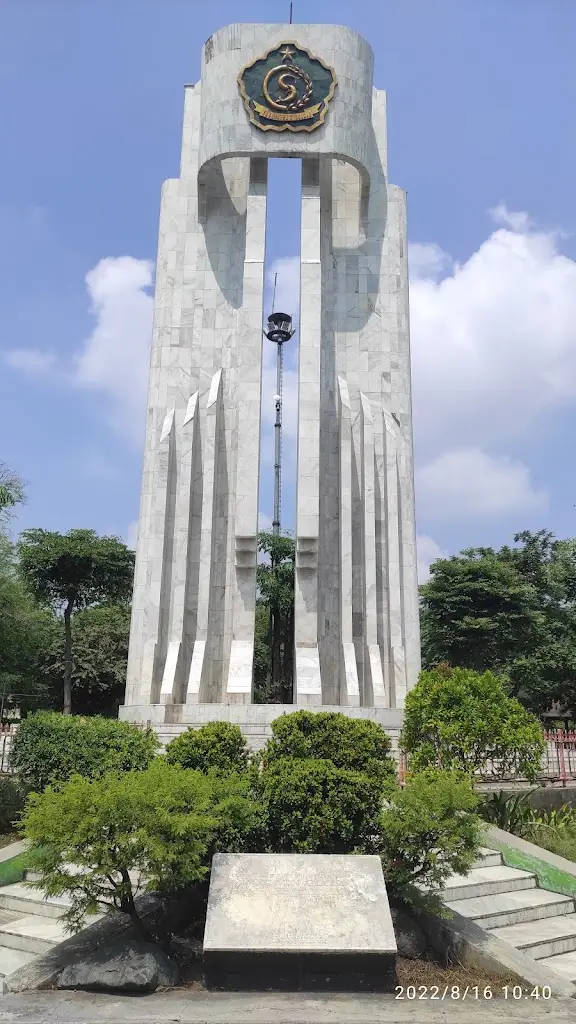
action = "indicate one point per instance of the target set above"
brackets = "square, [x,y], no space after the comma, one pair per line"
[459,992]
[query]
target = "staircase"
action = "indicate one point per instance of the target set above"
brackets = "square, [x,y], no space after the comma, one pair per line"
[508,904]
[29,925]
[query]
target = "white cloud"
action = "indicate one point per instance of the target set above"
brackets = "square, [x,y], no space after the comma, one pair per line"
[427,552]
[470,483]
[519,221]
[115,357]
[29,360]
[493,341]
[427,260]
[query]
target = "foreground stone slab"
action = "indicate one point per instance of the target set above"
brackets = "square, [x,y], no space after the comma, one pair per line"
[298,922]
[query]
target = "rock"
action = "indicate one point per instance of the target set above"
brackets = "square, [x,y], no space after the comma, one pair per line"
[129,966]
[410,938]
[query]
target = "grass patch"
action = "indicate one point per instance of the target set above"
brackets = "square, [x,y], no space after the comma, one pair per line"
[13,870]
[426,973]
[548,876]
[560,841]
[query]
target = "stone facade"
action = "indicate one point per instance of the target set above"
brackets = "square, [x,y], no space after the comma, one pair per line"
[356,601]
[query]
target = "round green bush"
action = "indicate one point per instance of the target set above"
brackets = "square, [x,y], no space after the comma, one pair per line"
[351,743]
[217,745]
[50,747]
[459,719]
[314,807]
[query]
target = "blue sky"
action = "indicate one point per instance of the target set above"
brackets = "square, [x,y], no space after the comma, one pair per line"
[481,99]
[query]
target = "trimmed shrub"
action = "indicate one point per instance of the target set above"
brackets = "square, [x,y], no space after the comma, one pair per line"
[49,748]
[354,744]
[428,830]
[459,719]
[162,824]
[217,745]
[12,800]
[314,807]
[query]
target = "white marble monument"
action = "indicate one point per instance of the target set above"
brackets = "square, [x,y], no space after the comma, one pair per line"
[300,91]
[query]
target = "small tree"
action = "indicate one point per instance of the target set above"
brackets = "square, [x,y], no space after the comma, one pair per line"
[12,491]
[354,744]
[217,745]
[275,579]
[72,571]
[459,719]
[428,831]
[103,842]
[315,807]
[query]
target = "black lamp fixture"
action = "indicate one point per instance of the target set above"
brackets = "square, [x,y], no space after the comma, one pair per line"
[279,328]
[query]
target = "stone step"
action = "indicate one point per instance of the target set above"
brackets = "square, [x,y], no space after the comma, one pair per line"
[541,939]
[513,907]
[488,859]
[562,963]
[23,900]
[487,882]
[12,959]
[32,934]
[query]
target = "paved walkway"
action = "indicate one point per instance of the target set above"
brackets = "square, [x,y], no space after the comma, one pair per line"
[221,1008]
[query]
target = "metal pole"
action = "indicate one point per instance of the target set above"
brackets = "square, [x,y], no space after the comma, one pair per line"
[278,443]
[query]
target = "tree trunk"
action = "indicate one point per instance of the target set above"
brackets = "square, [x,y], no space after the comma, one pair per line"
[68,657]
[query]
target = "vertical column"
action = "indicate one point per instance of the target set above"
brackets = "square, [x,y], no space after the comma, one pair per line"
[248,403]
[307,683]
[349,689]
[374,694]
[198,679]
[393,513]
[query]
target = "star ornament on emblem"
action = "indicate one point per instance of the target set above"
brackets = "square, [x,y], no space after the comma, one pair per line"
[288,89]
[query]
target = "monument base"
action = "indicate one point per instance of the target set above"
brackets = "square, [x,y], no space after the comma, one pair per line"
[299,922]
[255,720]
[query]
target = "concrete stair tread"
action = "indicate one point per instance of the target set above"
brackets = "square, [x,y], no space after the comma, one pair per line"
[34,926]
[498,873]
[562,963]
[533,933]
[506,902]
[26,892]
[12,959]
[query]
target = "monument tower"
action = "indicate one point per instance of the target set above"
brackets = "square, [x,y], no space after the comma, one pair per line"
[301,91]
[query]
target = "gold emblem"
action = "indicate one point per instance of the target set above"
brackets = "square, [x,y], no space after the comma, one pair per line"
[287,89]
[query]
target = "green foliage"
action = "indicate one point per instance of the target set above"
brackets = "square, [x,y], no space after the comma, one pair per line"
[427,831]
[23,633]
[463,720]
[72,571]
[12,492]
[14,869]
[12,800]
[155,829]
[78,568]
[217,745]
[99,659]
[512,611]
[274,647]
[314,807]
[49,748]
[351,743]
[512,812]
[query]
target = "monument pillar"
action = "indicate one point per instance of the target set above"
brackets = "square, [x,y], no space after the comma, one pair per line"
[302,91]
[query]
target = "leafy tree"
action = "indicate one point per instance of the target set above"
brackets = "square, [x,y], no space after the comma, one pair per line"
[72,571]
[49,748]
[12,491]
[458,719]
[99,659]
[427,831]
[512,611]
[351,743]
[275,581]
[102,842]
[24,631]
[217,745]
